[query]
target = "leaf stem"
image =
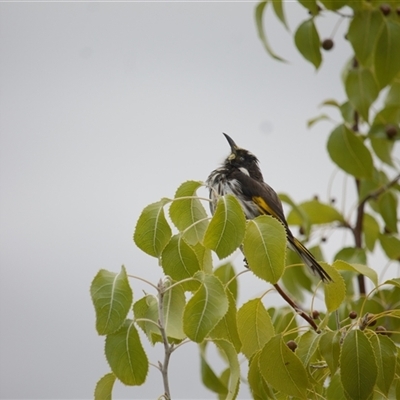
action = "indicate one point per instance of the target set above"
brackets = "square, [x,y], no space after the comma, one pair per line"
[178,283]
[143,280]
[148,320]
[191,197]
[168,348]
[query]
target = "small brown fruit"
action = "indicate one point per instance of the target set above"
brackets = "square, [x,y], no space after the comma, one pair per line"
[386,229]
[371,322]
[352,315]
[381,330]
[292,345]
[391,131]
[327,44]
[385,9]
[315,314]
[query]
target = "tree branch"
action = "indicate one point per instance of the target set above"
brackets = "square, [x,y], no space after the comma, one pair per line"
[357,230]
[357,233]
[295,307]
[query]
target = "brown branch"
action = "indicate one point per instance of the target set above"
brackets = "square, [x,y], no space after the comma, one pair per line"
[376,193]
[357,229]
[357,233]
[296,308]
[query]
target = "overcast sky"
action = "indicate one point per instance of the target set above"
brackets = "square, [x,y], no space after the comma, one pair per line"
[106,107]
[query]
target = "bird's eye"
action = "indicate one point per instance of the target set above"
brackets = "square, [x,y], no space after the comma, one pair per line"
[241,158]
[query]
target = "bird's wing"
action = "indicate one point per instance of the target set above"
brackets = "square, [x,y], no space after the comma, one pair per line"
[265,198]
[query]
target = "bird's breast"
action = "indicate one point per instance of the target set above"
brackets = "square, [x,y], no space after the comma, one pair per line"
[220,183]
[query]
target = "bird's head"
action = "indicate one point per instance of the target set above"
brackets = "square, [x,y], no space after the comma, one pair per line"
[243,160]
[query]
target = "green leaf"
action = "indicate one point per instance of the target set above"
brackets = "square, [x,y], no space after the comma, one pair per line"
[390,245]
[282,369]
[387,54]
[205,258]
[361,89]
[335,389]
[358,268]
[307,346]
[224,377]
[352,255]
[227,227]
[388,115]
[370,231]
[265,247]
[205,309]
[278,9]
[321,117]
[188,214]
[146,310]
[358,371]
[299,213]
[307,42]
[335,291]
[393,96]
[296,280]
[254,326]
[179,261]
[387,204]
[258,386]
[104,387]
[112,299]
[209,378]
[152,232]
[310,5]
[383,149]
[231,357]
[226,328]
[363,34]
[329,346]
[260,30]
[226,273]
[317,213]
[394,282]
[350,153]
[385,355]
[283,320]
[334,4]
[347,111]
[125,355]
[173,307]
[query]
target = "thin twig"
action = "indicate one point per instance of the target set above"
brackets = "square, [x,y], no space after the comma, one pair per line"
[295,307]
[168,348]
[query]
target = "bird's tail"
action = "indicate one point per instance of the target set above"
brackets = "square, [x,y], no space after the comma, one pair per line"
[308,259]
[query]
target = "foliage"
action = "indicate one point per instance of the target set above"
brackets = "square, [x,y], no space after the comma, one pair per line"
[348,350]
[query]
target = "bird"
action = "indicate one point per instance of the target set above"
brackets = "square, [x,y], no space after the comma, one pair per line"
[241,176]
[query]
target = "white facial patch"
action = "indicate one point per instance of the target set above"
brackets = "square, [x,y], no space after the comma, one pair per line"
[244,170]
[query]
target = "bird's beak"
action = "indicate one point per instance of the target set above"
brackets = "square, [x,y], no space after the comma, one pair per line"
[233,145]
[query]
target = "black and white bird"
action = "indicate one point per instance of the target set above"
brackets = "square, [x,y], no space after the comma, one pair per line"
[240,175]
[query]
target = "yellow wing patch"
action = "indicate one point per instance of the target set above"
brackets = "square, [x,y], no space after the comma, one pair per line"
[263,207]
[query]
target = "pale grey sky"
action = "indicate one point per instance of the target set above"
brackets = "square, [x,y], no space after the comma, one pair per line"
[106,107]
